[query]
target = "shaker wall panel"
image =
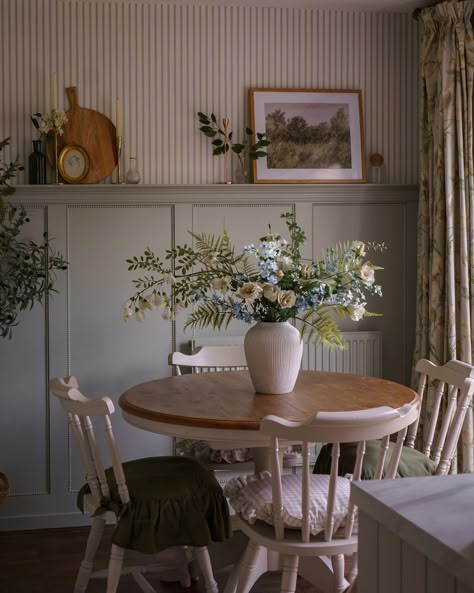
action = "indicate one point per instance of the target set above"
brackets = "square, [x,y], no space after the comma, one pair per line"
[165,62]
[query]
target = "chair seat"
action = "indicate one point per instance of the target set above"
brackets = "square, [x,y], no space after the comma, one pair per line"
[412,462]
[251,497]
[173,501]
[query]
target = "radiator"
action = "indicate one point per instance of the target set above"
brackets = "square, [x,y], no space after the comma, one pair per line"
[363,355]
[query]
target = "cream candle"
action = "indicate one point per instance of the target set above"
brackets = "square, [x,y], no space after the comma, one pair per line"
[54,93]
[117,118]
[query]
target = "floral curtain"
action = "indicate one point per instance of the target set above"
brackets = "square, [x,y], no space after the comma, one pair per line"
[445,302]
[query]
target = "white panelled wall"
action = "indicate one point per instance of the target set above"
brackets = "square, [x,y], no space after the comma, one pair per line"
[166,61]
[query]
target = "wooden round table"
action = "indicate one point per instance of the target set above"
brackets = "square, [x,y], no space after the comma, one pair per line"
[223,408]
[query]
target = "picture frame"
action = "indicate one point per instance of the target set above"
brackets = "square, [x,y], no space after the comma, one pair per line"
[73,163]
[316,135]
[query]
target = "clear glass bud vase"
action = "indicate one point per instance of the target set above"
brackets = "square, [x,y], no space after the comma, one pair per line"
[133,175]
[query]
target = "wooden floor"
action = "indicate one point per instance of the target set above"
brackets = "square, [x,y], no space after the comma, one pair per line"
[46,561]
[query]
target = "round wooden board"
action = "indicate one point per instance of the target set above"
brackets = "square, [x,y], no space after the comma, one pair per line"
[94,132]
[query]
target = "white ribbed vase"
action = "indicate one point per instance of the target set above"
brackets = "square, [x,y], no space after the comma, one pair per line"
[273,352]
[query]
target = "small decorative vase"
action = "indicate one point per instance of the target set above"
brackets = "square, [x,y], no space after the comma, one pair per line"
[37,165]
[133,175]
[273,352]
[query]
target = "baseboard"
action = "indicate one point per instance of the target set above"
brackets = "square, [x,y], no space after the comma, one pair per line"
[49,521]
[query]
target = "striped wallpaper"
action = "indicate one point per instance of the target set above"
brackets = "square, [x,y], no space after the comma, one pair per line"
[167,61]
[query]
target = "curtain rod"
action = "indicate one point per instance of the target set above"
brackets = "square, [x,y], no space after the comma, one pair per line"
[416,13]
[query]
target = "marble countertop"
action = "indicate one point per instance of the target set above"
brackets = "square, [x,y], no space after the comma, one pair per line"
[435,515]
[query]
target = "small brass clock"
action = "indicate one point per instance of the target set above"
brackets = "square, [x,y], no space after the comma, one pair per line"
[73,163]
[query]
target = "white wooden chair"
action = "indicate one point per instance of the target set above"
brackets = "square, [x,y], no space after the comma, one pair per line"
[124,491]
[310,514]
[449,388]
[211,359]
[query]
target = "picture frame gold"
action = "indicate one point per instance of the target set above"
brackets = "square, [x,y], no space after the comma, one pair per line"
[73,163]
[316,135]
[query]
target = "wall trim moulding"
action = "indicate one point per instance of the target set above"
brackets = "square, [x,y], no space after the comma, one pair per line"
[213,194]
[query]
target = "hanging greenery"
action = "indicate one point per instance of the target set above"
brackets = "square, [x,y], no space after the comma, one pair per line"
[27,269]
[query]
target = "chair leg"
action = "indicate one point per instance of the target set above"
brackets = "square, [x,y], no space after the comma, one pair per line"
[338,569]
[354,568]
[201,555]
[191,564]
[247,567]
[115,568]
[183,568]
[289,573]
[93,541]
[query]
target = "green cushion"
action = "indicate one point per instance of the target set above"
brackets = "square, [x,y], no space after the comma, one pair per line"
[173,501]
[412,462]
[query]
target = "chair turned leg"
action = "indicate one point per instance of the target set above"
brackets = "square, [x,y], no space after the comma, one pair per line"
[191,564]
[183,568]
[201,555]
[93,541]
[247,567]
[338,569]
[115,568]
[354,568]
[289,573]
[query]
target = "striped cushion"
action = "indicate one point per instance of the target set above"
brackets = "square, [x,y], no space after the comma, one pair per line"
[251,497]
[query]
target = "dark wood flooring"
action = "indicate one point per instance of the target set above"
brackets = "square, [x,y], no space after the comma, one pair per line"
[46,561]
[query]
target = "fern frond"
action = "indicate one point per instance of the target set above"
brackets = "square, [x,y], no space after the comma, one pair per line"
[208,314]
[320,327]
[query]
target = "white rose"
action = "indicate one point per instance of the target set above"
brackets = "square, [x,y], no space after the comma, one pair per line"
[285,263]
[221,284]
[286,299]
[367,274]
[250,291]
[270,292]
[356,313]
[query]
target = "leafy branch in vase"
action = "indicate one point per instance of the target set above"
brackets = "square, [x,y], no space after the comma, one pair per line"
[223,140]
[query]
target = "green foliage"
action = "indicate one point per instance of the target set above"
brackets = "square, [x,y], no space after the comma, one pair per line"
[271,282]
[224,140]
[26,268]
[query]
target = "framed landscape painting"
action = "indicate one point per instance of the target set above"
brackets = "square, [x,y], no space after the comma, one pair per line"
[316,136]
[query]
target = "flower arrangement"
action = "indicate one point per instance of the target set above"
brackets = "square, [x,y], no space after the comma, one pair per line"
[270,282]
[52,122]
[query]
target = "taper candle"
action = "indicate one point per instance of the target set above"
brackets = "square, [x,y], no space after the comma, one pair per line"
[54,93]
[117,118]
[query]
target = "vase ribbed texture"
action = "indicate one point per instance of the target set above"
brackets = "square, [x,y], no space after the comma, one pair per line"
[273,352]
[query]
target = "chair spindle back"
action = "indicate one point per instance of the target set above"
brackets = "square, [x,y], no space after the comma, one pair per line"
[335,428]
[80,410]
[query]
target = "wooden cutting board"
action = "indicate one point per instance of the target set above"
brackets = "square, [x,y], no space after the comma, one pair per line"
[94,132]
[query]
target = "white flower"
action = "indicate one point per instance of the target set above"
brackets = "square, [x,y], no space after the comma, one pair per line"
[250,291]
[167,314]
[140,316]
[127,313]
[211,259]
[168,278]
[285,263]
[356,312]
[178,307]
[367,275]
[221,284]
[360,249]
[157,300]
[286,299]
[144,304]
[270,292]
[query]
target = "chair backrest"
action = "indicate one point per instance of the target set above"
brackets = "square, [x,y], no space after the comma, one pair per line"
[335,428]
[446,393]
[80,410]
[207,359]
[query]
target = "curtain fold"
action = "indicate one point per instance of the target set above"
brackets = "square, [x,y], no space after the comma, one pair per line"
[445,297]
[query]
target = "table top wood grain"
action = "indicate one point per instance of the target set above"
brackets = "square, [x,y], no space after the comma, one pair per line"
[227,400]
